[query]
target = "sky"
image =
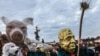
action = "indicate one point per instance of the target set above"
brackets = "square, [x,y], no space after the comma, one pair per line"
[53,15]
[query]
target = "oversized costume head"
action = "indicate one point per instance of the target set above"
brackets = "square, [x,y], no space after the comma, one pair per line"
[67,40]
[16,31]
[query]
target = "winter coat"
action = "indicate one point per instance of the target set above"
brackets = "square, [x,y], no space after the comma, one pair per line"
[83,52]
[36,54]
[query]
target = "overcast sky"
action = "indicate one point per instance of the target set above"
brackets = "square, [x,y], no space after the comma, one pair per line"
[53,15]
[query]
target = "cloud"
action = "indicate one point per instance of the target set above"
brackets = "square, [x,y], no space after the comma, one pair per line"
[51,16]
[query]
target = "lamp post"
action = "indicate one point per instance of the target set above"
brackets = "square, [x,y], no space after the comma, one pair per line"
[84,5]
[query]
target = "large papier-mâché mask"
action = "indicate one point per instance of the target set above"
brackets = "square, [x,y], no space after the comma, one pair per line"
[67,40]
[17,30]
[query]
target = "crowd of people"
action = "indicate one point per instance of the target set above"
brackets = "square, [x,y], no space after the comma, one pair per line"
[67,47]
[16,32]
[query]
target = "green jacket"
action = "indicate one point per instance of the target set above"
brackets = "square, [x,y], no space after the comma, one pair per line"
[83,52]
[31,53]
[36,54]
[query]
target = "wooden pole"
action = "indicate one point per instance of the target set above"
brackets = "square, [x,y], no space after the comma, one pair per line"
[84,6]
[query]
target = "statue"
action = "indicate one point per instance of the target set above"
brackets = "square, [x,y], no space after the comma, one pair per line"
[36,34]
[42,40]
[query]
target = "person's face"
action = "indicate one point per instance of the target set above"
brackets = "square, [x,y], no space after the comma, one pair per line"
[41,49]
[67,42]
